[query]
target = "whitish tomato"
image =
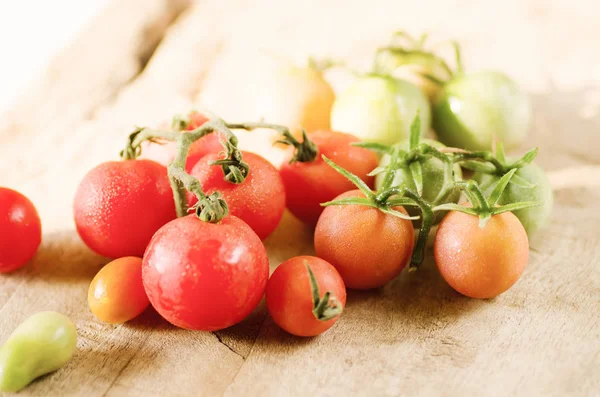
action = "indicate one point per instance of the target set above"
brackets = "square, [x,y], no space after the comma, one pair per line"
[367,246]
[481,262]
[205,276]
[290,297]
[380,109]
[116,294]
[308,184]
[20,230]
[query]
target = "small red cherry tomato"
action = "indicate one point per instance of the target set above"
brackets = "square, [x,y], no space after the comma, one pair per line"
[20,230]
[205,276]
[119,205]
[302,304]
[367,246]
[164,152]
[117,294]
[308,184]
[481,262]
[259,200]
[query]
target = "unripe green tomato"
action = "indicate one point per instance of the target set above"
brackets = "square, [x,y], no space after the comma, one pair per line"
[470,110]
[532,218]
[43,343]
[380,109]
[433,179]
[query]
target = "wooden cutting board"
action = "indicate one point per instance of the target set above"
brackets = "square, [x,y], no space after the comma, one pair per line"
[143,60]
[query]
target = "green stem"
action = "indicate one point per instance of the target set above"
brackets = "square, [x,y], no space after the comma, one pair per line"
[426,223]
[324,308]
[304,152]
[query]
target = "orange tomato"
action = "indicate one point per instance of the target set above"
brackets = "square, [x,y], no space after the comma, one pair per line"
[367,246]
[117,293]
[481,262]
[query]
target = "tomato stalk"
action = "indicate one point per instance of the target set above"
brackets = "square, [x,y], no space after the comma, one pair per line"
[209,208]
[324,308]
[304,152]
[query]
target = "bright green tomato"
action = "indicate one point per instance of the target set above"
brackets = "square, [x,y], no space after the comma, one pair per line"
[470,110]
[380,109]
[433,178]
[43,343]
[532,218]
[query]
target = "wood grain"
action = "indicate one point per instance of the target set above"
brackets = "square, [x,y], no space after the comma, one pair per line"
[415,337]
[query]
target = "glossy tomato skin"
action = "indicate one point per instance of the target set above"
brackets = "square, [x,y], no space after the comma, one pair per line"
[165,151]
[20,230]
[259,200]
[309,184]
[119,205]
[367,247]
[481,262]
[289,294]
[205,276]
[117,294]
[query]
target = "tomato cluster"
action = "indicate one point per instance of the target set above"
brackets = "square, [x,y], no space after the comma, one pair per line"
[185,211]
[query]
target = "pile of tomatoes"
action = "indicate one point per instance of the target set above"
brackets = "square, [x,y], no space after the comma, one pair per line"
[372,193]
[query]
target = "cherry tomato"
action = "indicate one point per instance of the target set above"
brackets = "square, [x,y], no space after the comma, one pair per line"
[117,294]
[367,246]
[119,205]
[481,262]
[164,152]
[205,276]
[259,200]
[380,109]
[470,110]
[20,230]
[308,184]
[290,299]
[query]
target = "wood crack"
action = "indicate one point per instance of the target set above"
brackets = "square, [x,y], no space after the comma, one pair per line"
[228,346]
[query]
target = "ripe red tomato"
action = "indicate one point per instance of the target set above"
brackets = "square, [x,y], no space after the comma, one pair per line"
[290,299]
[164,152]
[481,262]
[205,276]
[20,230]
[119,205]
[259,200]
[309,184]
[367,246]
[117,294]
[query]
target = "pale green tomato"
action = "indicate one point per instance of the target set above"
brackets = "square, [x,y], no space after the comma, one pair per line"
[433,179]
[43,343]
[470,110]
[380,109]
[532,218]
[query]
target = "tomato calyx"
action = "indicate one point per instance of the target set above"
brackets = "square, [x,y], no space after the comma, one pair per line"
[483,207]
[304,152]
[325,308]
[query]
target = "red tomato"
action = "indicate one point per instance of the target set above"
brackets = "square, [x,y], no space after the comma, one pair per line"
[164,152]
[259,200]
[309,184]
[289,294]
[481,262]
[205,276]
[20,230]
[119,205]
[117,294]
[367,246]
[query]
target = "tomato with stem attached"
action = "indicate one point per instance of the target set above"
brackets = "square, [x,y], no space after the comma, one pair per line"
[259,200]
[116,294]
[20,230]
[205,276]
[119,205]
[305,295]
[309,181]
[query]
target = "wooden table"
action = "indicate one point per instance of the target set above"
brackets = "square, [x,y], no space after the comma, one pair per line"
[143,60]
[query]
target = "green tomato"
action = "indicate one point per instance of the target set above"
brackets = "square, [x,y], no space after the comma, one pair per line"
[433,179]
[380,109]
[532,218]
[43,343]
[470,110]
